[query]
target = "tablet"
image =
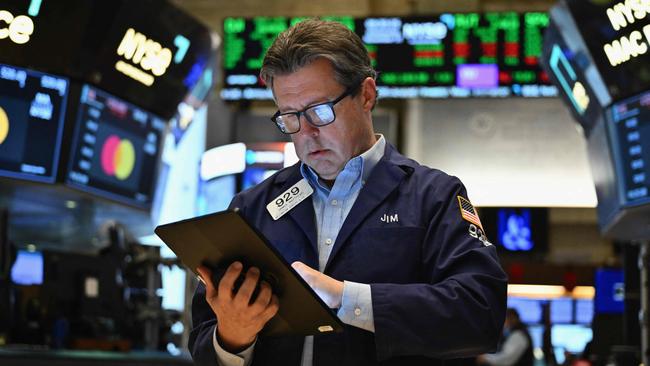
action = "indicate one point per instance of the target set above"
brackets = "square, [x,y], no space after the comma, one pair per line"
[223,237]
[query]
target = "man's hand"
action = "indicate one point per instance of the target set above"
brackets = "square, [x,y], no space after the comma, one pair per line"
[329,289]
[238,321]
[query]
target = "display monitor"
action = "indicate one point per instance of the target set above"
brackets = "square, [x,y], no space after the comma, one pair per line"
[32,113]
[630,131]
[570,338]
[584,311]
[537,335]
[115,149]
[610,291]
[173,280]
[617,35]
[28,268]
[561,310]
[448,55]
[152,54]
[516,229]
[530,310]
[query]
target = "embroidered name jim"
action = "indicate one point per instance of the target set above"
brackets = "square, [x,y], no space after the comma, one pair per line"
[389,218]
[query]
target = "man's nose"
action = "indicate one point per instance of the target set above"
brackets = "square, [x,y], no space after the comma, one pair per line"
[306,127]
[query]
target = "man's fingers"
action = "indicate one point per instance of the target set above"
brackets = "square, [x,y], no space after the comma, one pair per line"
[246,290]
[270,310]
[298,266]
[264,297]
[304,271]
[205,276]
[228,280]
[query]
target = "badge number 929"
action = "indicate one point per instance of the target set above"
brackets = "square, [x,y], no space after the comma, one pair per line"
[287,197]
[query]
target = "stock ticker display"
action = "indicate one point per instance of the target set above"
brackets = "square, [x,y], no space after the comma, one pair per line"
[440,56]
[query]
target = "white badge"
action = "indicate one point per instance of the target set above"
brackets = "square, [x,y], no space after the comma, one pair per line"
[289,199]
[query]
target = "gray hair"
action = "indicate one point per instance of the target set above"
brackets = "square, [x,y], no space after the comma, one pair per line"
[310,39]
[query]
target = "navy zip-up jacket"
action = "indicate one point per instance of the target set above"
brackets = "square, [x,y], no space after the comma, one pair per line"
[438,290]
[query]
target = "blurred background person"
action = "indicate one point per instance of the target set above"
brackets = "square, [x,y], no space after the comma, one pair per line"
[516,349]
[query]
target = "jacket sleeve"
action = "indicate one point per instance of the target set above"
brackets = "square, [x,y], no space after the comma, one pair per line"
[459,308]
[204,321]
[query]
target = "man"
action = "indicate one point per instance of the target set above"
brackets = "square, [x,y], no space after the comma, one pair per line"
[394,246]
[517,348]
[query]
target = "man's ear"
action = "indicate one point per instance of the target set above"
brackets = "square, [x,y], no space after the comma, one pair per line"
[369,93]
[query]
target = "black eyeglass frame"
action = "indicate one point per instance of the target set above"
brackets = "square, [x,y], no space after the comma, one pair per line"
[331,104]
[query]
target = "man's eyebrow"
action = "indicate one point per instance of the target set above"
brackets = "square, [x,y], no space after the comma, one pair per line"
[311,103]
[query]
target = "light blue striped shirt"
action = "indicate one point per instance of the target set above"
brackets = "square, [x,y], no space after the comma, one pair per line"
[331,207]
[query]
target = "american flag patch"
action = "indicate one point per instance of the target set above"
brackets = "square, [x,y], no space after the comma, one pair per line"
[469,212]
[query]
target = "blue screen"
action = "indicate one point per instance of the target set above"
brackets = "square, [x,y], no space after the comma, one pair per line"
[28,268]
[610,291]
[514,229]
[537,335]
[569,337]
[584,311]
[561,310]
[530,310]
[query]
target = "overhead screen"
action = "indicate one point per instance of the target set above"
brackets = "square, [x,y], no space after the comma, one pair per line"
[617,34]
[438,56]
[597,53]
[148,52]
[630,128]
[115,149]
[516,229]
[153,55]
[32,111]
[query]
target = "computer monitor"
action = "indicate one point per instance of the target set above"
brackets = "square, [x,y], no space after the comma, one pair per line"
[562,310]
[28,268]
[610,291]
[115,149]
[630,131]
[516,229]
[32,111]
[173,280]
[537,335]
[530,310]
[584,309]
[569,337]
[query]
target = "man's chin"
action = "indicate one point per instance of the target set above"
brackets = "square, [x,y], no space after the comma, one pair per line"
[324,172]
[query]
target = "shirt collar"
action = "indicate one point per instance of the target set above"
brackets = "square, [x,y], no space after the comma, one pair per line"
[367,160]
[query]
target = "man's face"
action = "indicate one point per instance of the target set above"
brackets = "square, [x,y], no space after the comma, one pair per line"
[326,149]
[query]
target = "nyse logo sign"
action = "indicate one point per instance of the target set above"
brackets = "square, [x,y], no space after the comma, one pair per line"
[147,58]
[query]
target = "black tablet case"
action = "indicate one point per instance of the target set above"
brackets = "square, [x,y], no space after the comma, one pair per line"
[225,236]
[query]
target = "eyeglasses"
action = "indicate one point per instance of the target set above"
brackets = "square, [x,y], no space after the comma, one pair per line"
[318,115]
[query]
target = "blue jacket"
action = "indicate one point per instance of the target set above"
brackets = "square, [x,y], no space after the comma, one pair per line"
[438,292]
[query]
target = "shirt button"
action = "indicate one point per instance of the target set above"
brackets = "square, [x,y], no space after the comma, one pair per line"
[357,311]
[328,241]
[335,202]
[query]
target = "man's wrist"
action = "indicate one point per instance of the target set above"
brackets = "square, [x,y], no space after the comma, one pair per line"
[233,346]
